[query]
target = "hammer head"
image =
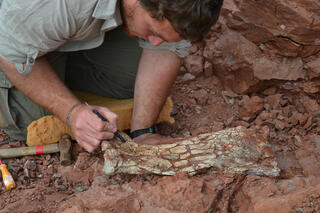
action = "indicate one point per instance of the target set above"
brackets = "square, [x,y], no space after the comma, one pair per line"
[65,150]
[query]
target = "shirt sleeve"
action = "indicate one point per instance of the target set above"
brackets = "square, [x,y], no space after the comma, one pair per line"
[30,29]
[180,48]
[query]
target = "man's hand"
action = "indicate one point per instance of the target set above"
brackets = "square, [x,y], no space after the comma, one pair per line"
[89,130]
[43,86]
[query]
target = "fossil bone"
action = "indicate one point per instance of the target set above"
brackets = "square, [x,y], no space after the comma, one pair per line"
[235,150]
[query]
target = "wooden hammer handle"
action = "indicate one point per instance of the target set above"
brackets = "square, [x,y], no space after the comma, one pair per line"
[23,151]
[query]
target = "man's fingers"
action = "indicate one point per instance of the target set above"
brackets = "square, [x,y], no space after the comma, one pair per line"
[109,127]
[90,141]
[89,129]
[89,120]
[106,135]
[108,114]
[101,135]
[87,146]
[96,123]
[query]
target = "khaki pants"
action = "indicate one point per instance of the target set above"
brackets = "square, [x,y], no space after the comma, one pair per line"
[108,70]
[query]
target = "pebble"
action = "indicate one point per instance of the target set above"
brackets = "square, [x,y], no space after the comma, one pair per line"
[198,109]
[208,69]
[31,165]
[201,96]
[32,174]
[80,188]
[61,187]
[231,101]
[186,134]
[50,170]
[188,77]
[56,175]
[26,172]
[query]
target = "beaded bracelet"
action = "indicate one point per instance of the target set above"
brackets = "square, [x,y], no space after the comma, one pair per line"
[70,112]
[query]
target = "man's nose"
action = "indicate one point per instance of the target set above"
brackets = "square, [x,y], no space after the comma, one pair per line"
[155,40]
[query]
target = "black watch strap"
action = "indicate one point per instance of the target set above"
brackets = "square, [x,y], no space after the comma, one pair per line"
[139,132]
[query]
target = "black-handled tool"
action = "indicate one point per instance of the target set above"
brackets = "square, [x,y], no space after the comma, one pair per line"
[117,134]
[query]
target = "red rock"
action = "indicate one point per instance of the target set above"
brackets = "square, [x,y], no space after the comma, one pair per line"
[50,170]
[47,180]
[208,69]
[217,126]
[258,122]
[255,43]
[303,119]
[196,194]
[283,102]
[199,130]
[281,117]
[314,67]
[280,125]
[252,107]
[310,87]
[240,123]
[275,113]
[246,119]
[201,96]
[264,115]
[310,165]
[290,19]
[270,91]
[244,100]
[188,77]
[241,65]
[310,105]
[290,69]
[295,118]
[194,64]
[32,174]
[82,161]
[229,94]
[288,110]
[308,123]
[274,101]
[30,165]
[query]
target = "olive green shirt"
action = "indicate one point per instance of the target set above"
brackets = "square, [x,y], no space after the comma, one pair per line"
[32,28]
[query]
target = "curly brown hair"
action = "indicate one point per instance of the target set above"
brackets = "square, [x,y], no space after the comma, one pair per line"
[192,19]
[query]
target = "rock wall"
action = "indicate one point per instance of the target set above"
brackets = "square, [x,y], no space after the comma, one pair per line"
[257,42]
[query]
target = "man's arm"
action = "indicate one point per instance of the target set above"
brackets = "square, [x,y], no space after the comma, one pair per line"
[43,86]
[156,74]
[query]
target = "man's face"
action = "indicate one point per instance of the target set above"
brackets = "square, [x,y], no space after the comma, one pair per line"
[138,23]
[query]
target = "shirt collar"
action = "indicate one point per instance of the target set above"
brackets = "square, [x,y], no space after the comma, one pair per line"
[109,10]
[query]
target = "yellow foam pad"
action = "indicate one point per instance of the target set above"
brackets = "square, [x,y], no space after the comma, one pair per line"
[49,129]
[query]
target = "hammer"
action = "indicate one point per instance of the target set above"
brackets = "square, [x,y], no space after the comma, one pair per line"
[64,147]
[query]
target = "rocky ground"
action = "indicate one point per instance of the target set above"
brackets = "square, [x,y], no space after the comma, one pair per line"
[258,68]
[201,105]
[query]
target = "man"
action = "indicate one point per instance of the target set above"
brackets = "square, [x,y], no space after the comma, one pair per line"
[48,47]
